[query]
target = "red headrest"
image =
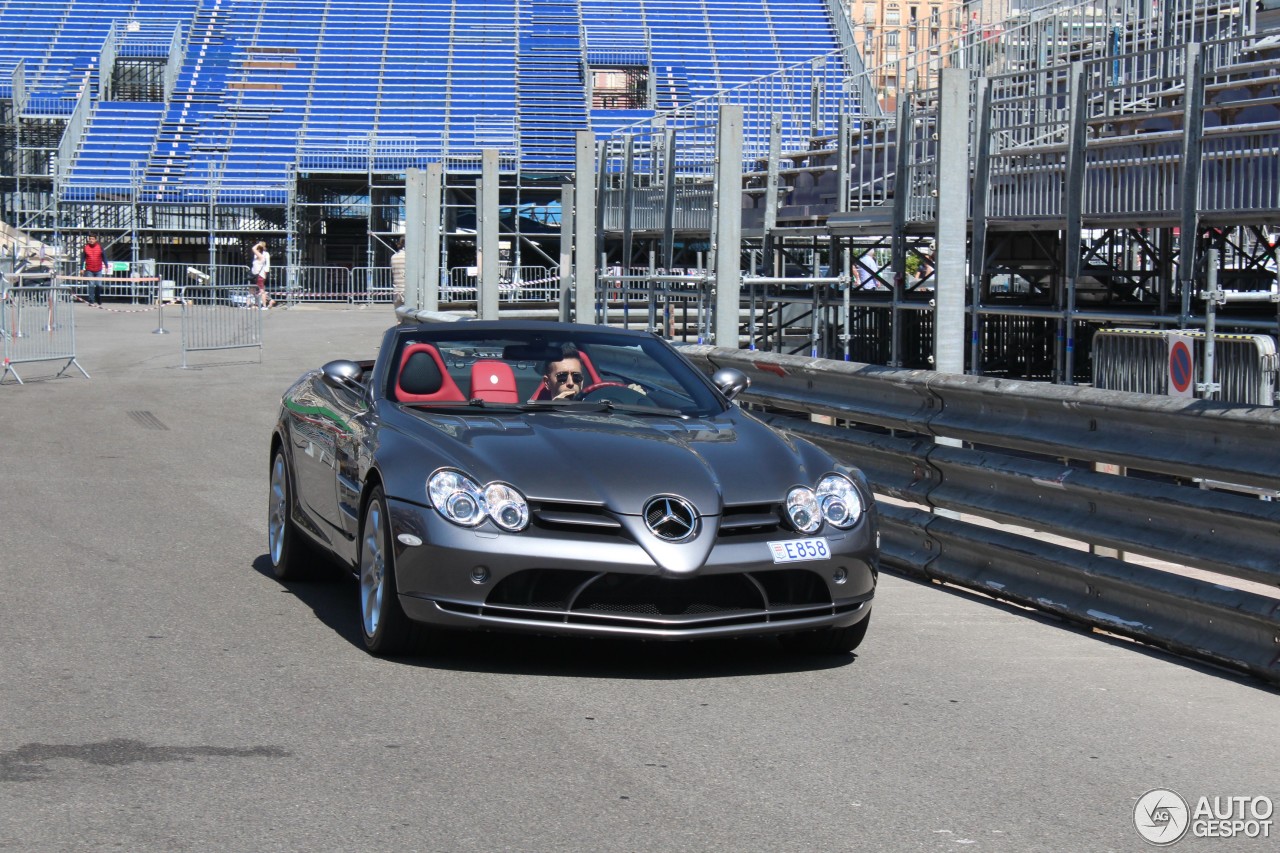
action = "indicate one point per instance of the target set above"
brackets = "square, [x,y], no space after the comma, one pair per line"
[494,382]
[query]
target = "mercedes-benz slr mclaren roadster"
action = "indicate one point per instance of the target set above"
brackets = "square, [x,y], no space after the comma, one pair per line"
[564,479]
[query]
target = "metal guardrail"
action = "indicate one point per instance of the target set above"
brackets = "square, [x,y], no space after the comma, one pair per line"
[995,449]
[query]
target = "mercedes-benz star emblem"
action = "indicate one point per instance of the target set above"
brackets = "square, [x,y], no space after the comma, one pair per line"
[672,519]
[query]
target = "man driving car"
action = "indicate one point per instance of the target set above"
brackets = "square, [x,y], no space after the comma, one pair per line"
[564,376]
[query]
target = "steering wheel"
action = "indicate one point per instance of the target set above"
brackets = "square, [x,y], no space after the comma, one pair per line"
[618,392]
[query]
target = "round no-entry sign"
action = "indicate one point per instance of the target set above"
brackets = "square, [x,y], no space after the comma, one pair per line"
[1181,367]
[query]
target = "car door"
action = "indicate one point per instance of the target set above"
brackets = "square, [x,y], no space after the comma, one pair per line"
[320,421]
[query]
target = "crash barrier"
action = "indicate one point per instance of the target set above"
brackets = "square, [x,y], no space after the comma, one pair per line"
[952,447]
[1149,362]
[220,317]
[39,324]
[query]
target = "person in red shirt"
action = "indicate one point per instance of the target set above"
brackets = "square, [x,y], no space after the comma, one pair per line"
[94,263]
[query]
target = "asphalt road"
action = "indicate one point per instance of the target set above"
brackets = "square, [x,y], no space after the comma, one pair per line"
[160,691]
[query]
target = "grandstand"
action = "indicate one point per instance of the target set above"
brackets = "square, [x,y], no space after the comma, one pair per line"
[216,119]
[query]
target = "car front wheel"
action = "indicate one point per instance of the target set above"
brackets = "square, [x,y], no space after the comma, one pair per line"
[387,630]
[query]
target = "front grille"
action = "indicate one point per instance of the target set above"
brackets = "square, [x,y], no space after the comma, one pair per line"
[669,597]
[607,598]
[735,521]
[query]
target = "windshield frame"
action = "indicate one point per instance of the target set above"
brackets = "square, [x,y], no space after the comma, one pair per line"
[679,388]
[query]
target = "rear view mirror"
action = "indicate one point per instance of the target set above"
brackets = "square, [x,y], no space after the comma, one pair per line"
[343,374]
[730,381]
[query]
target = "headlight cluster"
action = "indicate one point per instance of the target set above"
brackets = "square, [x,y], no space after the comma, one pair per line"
[461,500]
[835,501]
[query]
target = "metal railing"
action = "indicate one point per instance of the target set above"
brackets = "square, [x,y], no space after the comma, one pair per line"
[1138,360]
[38,323]
[959,454]
[219,316]
[515,284]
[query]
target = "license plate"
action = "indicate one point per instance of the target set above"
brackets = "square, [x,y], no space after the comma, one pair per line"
[797,550]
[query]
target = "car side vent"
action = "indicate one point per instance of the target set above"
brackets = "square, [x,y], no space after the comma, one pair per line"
[751,518]
[572,516]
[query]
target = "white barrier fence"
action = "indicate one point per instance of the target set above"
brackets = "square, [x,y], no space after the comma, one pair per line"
[1149,361]
[38,323]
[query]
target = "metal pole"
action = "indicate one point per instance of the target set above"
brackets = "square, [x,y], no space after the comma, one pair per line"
[1208,388]
[415,235]
[978,241]
[434,256]
[1073,207]
[728,272]
[953,217]
[566,251]
[669,200]
[771,189]
[584,197]
[898,251]
[628,200]
[487,236]
[1192,129]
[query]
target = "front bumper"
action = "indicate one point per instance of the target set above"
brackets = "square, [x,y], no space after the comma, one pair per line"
[590,583]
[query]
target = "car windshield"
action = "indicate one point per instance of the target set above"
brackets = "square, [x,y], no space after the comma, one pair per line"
[560,367]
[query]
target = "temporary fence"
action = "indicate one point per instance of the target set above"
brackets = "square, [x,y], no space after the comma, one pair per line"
[220,317]
[1146,361]
[38,324]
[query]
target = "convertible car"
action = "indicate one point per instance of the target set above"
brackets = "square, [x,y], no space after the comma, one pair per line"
[563,479]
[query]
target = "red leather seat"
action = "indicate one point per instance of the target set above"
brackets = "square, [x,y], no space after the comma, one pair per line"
[423,377]
[493,382]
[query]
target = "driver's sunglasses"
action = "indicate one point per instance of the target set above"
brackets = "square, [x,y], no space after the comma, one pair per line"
[563,376]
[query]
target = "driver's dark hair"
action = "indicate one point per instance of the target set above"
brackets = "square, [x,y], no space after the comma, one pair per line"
[566,351]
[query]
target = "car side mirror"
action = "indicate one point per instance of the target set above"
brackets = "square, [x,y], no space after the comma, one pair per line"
[730,381]
[344,374]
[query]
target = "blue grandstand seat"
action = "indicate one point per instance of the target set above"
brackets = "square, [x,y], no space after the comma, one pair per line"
[272,86]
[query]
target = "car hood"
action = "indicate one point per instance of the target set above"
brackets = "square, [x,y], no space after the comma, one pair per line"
[620,461]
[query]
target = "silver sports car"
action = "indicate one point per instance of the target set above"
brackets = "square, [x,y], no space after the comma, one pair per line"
[564,479]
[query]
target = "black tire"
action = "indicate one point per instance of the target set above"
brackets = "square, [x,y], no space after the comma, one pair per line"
[828,641]
[292,556]
[386,629]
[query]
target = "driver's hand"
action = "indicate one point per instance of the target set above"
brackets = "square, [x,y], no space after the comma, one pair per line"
[637,387]
[566,395]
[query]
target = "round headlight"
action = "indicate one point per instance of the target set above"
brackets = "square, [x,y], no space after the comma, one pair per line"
[457,497]
[506,507]
[841,504]
[802,507]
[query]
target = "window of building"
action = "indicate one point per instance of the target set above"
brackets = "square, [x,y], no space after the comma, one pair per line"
[620,88]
